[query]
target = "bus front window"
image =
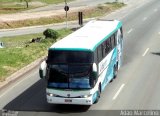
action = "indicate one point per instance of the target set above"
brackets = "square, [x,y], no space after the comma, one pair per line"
[69,70]
[69,57]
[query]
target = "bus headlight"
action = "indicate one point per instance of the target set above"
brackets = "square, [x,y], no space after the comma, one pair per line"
[51,95]
[85,96]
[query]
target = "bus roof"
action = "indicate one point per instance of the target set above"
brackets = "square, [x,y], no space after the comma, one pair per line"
[89,36]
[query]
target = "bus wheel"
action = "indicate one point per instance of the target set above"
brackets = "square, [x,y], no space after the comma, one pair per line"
[98,95]
[111,81]
[115,71]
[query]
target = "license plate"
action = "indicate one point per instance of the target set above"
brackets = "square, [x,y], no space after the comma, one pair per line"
[68,100]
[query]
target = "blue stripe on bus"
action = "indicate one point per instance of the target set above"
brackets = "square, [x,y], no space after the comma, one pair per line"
[94,97]
[70,49]
[109,73]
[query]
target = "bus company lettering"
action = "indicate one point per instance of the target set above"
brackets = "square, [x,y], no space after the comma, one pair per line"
[103,65]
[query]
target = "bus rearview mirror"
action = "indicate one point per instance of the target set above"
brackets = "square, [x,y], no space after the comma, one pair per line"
[94,70]
[42,70]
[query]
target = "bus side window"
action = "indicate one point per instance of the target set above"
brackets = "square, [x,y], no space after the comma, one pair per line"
[116,42]
[111,46]
[104,49]
[113,41]
[108,46]
[96,56]
[100,53]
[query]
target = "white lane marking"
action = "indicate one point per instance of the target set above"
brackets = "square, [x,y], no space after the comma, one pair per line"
[144,19]
[118,92]
[145,52]
[155,10]
[130,31]
[16,84]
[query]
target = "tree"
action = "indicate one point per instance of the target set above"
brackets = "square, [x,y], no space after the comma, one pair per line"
[27,2]
[50,33]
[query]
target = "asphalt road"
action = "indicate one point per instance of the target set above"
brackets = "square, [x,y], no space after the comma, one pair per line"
[136,87]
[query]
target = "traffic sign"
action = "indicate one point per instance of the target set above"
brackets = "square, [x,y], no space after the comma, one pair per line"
[66,8]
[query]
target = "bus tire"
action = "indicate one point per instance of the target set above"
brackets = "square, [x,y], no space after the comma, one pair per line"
[111,81]
[98,94]
[115,71]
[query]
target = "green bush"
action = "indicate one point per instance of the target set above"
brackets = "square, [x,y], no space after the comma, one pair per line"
[50,33]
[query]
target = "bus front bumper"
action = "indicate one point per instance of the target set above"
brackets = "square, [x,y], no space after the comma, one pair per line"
[78,101]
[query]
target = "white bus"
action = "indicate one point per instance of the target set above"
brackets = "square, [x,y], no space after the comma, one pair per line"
[79,66]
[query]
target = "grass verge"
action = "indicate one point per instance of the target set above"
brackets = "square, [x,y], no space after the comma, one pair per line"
[14,57]
[88,13]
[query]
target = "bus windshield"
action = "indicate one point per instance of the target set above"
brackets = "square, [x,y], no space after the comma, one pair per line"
[69,76]
[69,57]
[69,69]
